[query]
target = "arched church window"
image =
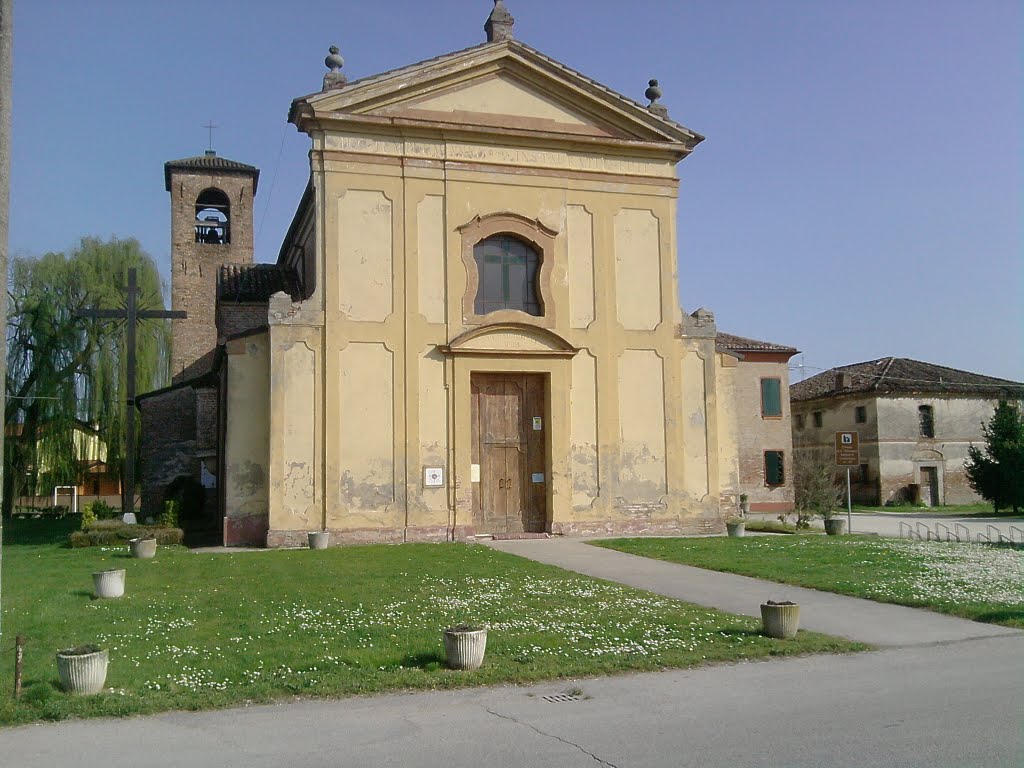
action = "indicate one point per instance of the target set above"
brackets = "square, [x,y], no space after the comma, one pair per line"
[213,218]
[507,268]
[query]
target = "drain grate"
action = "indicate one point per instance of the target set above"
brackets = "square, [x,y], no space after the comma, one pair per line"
[559,698]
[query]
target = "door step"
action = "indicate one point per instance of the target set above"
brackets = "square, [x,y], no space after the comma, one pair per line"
[514,536]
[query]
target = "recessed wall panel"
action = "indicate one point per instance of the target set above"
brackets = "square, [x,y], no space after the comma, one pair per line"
[642,469]
[637,269]
[366,255]
[367,438]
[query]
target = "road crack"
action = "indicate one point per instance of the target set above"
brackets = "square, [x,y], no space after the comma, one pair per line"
[553,736]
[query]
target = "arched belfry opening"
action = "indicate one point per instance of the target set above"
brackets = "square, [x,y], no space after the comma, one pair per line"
[213,217]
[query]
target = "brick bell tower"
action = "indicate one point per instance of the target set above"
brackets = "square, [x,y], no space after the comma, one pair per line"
[211,224]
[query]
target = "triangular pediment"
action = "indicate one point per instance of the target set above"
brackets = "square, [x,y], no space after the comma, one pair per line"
[505,85]
[502,99]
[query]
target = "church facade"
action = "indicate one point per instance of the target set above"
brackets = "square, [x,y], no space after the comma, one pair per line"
[487,338]
[473,327]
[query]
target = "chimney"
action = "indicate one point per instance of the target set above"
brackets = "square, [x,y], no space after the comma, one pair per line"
[841,382]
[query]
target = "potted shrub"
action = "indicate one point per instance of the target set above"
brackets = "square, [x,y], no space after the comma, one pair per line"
[82,670]
[143,548]
[109,583]
[736,526]
[464,646]
[780,619]
[834,526]
[744,504]
[319,539]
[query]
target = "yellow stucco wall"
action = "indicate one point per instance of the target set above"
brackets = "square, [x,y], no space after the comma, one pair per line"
[367,387]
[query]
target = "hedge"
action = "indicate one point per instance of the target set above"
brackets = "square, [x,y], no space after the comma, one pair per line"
[120,534]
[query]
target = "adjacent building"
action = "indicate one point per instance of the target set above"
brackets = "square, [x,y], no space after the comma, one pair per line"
[915,422]
[764,435]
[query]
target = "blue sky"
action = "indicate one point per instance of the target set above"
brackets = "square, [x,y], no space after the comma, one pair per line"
[859,193]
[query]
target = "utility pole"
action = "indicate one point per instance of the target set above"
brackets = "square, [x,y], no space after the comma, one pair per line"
[6,60]
[133,315]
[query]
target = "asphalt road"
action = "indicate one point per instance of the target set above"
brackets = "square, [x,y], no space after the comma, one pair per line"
[941,706]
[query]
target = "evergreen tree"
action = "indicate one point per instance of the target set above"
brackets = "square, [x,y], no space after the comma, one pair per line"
[997,472]
[63,369]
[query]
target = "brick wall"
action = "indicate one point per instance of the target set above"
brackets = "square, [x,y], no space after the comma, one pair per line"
[168,444]
[233,318]
[194,265]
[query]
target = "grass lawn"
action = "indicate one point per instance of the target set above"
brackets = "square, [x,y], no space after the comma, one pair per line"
[196,631]
[977,581]
[952,510]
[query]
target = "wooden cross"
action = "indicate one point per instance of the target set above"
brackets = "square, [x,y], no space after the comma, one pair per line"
[133,315]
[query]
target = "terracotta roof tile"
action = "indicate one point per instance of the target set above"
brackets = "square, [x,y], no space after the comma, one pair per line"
[729,342]
[901,375]
[255,282]
[214,163]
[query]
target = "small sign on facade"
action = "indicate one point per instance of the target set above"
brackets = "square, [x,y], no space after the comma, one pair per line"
[847,449]
[538,423]
[474,473]
[433,477]
[537,477]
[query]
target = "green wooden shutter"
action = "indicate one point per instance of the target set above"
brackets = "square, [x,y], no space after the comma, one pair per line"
[771,397]
[774,473]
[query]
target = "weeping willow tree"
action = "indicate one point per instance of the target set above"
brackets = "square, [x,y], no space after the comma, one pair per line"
[64,372]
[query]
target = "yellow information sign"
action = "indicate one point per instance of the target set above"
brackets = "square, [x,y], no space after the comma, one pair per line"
[847,449]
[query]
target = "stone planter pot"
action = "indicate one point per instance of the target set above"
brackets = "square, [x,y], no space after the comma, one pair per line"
[108,583]
[319,539]
[736,529]
[834,526]
[82,673]
[464,647]
[780,620]
[142,549]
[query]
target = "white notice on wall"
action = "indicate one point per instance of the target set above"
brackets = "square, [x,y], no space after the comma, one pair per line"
[538,423]
[474,473]
[538,477]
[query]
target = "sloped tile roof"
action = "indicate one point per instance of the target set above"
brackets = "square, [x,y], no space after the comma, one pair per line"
[901,375]
[210,162]
[692,137]
[255,282]
[731,343]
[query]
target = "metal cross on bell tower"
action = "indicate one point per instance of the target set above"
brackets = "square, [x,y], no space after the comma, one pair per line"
[133,315]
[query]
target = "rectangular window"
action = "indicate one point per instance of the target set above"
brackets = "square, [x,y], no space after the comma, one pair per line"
[774,470]
[927,419]
[799,421]
[860,414]
[771,398]
[817,419]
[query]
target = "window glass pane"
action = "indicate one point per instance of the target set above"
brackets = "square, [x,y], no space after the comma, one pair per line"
[927,421]
[771,397]
[507,272]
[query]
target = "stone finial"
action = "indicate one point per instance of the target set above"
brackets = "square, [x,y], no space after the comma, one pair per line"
[653,93]
[335,78]
[499,24]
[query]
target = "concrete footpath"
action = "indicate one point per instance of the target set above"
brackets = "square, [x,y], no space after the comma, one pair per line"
[866,621]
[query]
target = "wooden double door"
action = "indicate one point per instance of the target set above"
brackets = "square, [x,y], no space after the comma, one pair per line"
[509,453]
